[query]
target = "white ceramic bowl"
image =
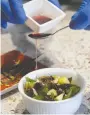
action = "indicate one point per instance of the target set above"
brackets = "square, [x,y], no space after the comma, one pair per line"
[68,106]
[42,7]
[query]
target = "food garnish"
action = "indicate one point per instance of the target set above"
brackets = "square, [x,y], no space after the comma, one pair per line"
[50,88]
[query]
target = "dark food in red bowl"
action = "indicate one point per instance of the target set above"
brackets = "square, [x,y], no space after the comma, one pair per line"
[14,65]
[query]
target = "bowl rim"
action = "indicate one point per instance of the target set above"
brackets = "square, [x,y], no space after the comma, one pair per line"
[47,102]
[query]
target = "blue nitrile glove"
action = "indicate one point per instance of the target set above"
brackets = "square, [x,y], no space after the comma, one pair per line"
[12,11]
[56,3]
[81,19]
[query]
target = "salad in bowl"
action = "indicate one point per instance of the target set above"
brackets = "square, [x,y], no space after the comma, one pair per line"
[52,91]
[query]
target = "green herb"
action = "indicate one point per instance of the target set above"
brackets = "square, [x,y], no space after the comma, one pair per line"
[73,90]
[29,85]
[39,97]
[52,92]
[29,79]
[43,91]
[60,97]
[50,88]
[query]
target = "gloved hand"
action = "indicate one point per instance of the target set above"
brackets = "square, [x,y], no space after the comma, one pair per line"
[12,11]
[81,19]
[56,3]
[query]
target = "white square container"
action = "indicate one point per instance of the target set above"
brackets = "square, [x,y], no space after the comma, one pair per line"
[45,8]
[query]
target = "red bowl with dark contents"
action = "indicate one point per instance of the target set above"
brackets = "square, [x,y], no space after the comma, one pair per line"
[14,65]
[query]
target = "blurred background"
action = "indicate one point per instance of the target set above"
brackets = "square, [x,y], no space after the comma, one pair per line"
[65,1]
[68,4]
[66,49]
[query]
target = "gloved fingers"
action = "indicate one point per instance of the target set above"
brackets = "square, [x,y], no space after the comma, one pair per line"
[18,11]
[6,18]
[87,28]
[74,16]
[79,22]
[3,15]
[6,10]
[8,14]
[56,3]
[3,24]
